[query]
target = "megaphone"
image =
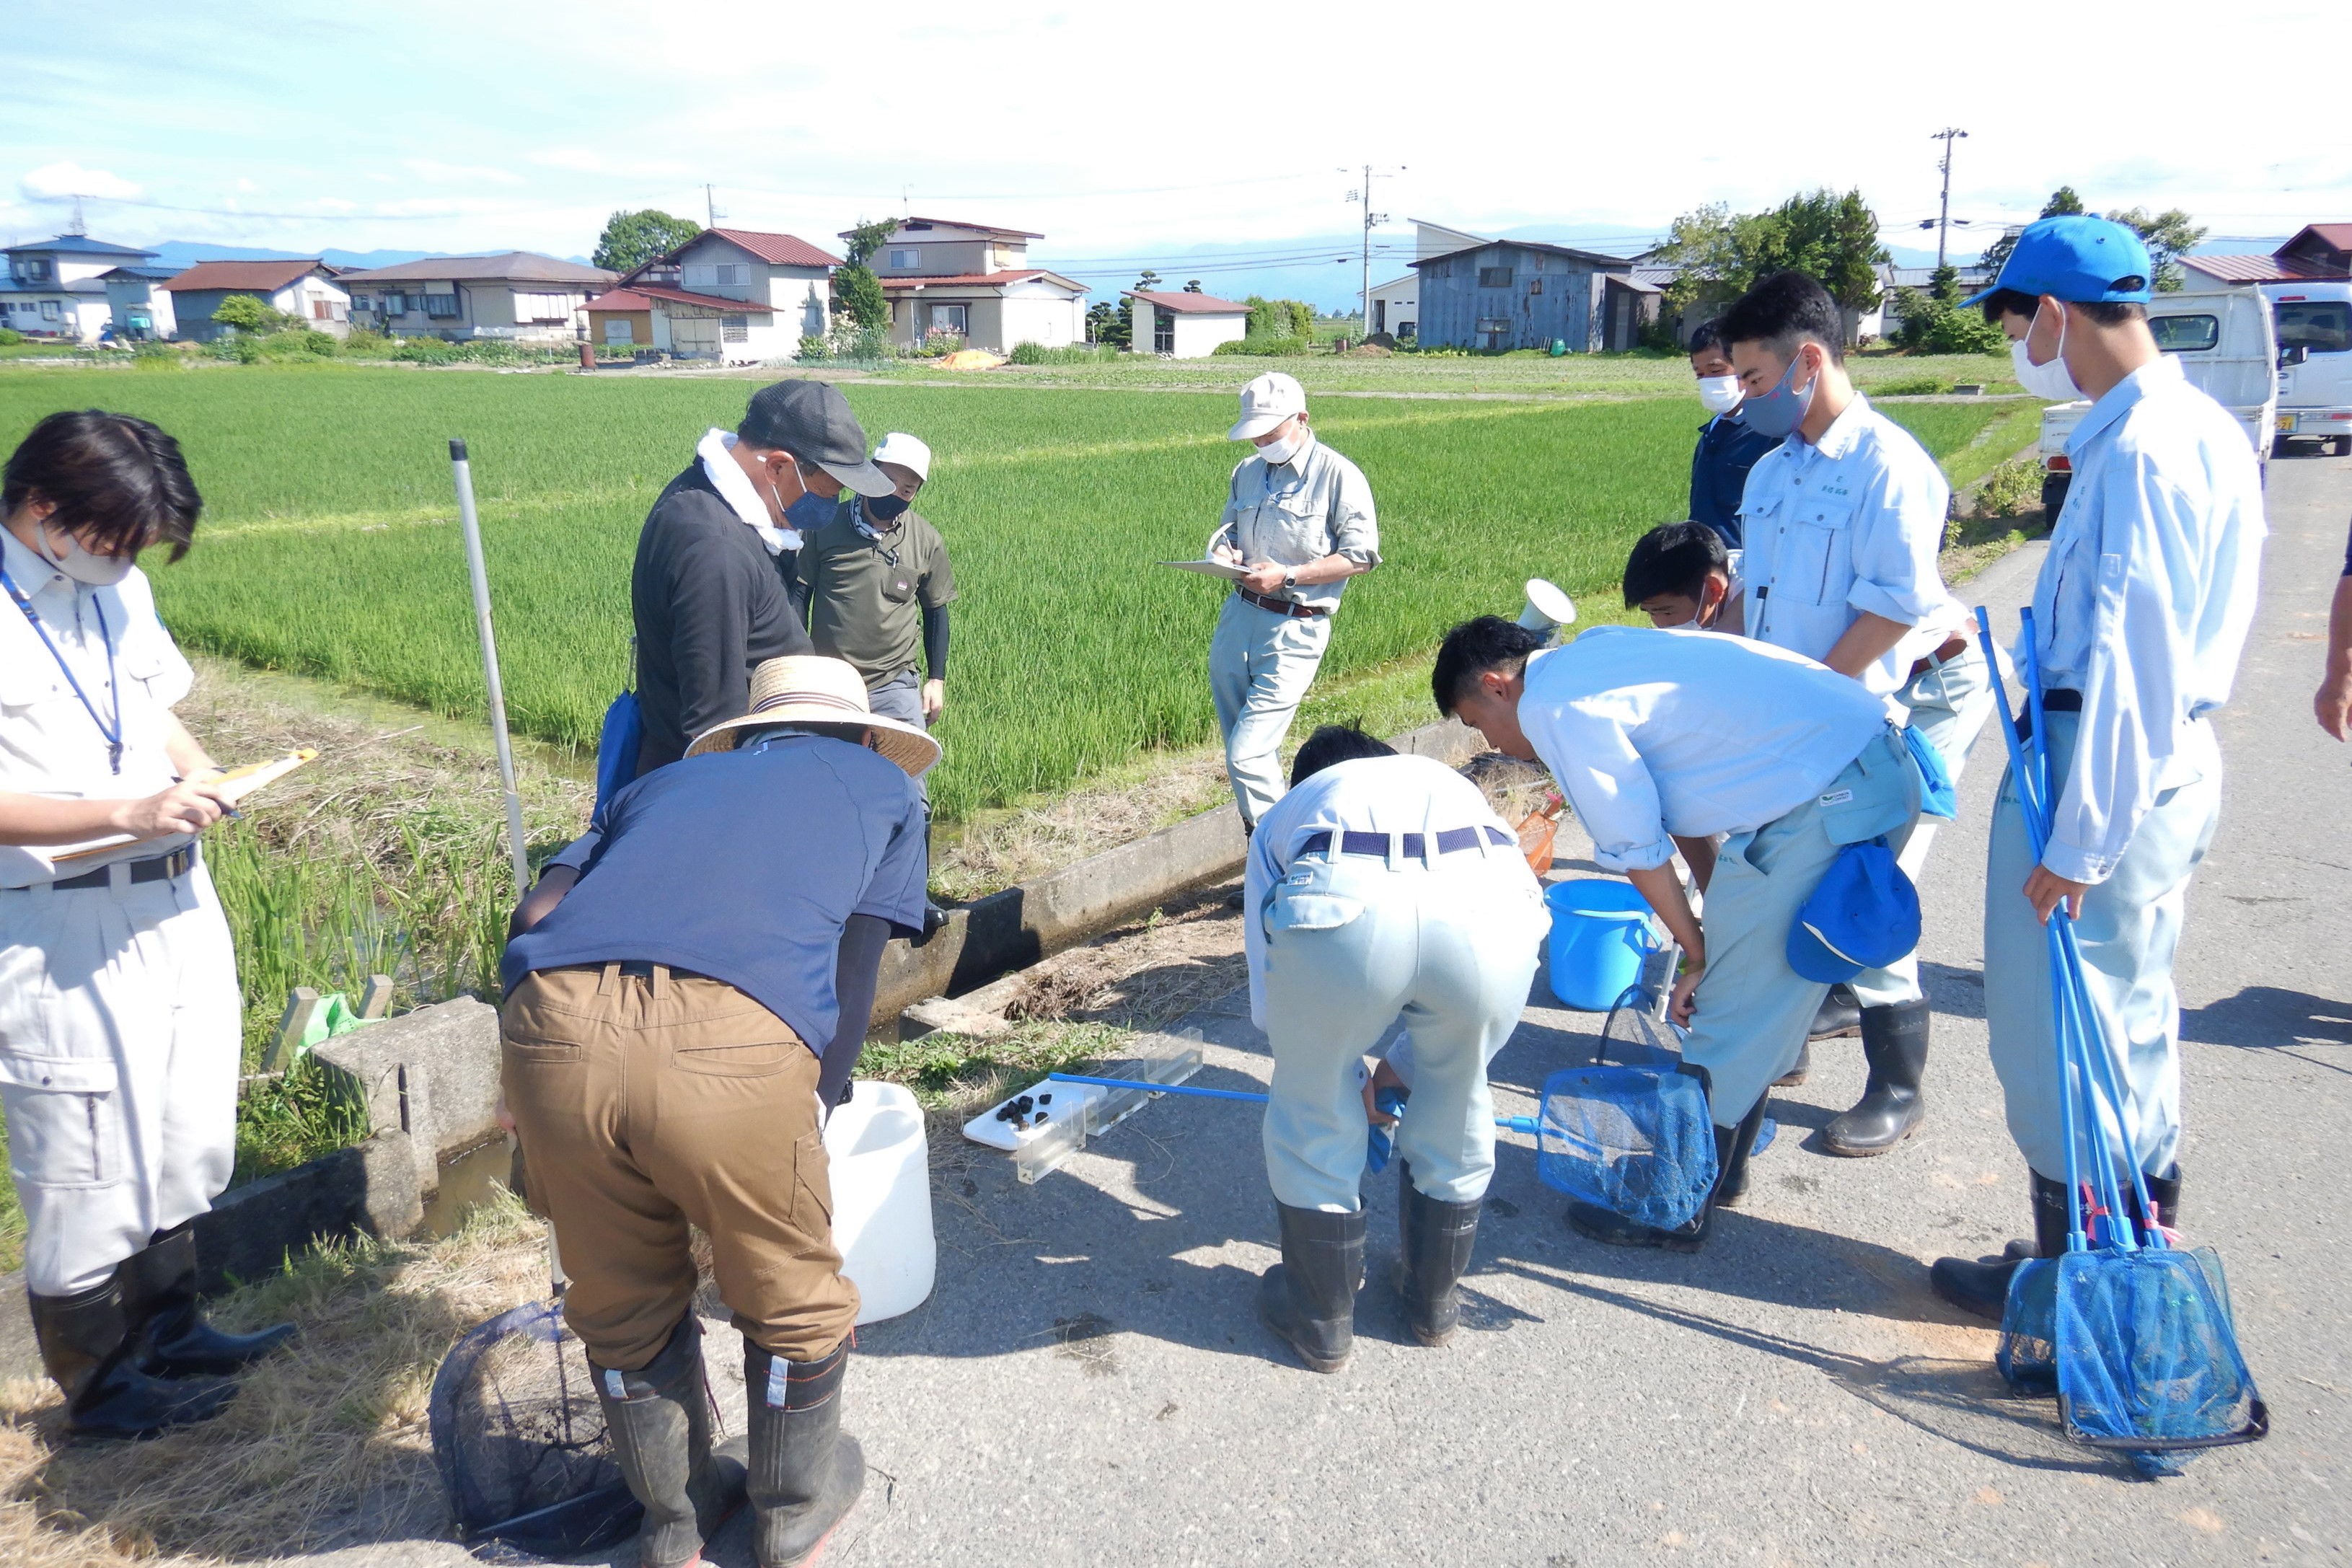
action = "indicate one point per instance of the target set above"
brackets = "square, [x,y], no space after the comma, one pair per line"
[1548,609]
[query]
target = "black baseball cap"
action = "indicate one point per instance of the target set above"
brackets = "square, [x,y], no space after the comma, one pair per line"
[813,421]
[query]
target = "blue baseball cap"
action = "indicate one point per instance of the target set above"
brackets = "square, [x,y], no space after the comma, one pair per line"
[1865,914]
[2082,259]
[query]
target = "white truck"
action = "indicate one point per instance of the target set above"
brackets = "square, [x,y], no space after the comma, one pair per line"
[2315,375]
[2228,346]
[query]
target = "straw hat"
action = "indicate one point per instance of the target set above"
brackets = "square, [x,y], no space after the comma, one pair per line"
[806,689]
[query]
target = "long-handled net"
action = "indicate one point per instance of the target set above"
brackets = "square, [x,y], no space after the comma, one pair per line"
[1633,1137]
[2135,1334]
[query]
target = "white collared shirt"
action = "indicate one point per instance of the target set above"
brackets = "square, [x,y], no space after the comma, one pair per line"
[2143,602]
[735,488]
[1655,735]
[49,744]
[1368,795]
[1848,524]
[1317,504]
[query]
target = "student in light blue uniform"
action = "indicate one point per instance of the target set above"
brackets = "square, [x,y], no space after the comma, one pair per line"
[2139,614]
[1658,736]
[1842,523]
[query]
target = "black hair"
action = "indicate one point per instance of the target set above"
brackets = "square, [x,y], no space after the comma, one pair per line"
[1473,649]
[1333,744]
[1673,558]
[2101,312]
[1782,312]
[119,483]
[1706,337]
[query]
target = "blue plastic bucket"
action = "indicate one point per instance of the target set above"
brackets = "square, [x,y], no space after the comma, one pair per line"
[1601,932]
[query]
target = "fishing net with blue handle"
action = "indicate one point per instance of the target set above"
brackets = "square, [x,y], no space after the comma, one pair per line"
[2147,1354]
[1636,1141]
[2027,1354]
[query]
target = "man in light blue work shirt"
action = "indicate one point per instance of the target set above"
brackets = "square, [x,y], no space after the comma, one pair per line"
[1298,520]
[1842,522]
[1656,736]
[2139,614]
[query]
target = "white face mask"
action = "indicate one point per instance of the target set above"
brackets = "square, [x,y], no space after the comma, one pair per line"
[1719,394]
[82,566]
[1282,449]
[2051,383]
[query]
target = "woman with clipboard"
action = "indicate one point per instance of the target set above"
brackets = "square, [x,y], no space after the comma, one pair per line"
[120,1015]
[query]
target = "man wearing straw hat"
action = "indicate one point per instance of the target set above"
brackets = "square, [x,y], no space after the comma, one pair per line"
[1298,520]
[675,1027]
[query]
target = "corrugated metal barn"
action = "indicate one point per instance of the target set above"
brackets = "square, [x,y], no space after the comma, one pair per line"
[1517,294]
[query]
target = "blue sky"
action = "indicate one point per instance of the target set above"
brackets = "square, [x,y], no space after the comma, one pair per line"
[1195,142]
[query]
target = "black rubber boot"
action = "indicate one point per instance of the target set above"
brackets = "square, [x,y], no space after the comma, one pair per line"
[159,1294]
[1838,1015]
[1309,1297]
[806,1474]
[2164,1192]
[1437,1239]
[1980,1287]
[658,1417]
[88,1345]
[1733,1145]
[1800,1072]
[1895,1045]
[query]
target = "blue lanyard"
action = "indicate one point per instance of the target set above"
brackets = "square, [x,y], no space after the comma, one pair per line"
[113,685]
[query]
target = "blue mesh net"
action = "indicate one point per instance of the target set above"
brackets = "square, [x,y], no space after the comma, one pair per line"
[1636,1141]
[2147,1352]
[2028,1353]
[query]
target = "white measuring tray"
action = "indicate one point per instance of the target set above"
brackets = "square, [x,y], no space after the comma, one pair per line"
[1079,1111]
[1050,1104]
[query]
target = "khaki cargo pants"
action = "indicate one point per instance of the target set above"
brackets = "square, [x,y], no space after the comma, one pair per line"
[646,1102]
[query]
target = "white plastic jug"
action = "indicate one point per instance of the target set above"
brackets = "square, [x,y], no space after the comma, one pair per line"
[882,1199]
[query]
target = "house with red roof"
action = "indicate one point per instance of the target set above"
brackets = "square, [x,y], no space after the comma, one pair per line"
[308,289]
[974,282]
[2321,253]
[736,296]
[1185,325]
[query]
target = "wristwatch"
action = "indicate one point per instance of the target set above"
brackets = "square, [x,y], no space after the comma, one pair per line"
[1289,581]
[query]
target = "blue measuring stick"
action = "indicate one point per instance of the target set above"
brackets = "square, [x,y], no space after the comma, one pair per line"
[1514,1123]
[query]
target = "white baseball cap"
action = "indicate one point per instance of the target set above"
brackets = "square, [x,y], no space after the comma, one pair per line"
[906,451]
[1265,403]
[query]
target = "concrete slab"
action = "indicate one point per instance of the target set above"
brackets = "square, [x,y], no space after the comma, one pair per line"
[432,1074]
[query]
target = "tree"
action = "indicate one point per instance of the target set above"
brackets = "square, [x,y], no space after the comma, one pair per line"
[2167,233]
[1147,282]
[1831,238]
[1107,323]
[249,313]
[856,293]
[2063,202]
[1193,286]
[1279,318]
[1934,322]
[632,239]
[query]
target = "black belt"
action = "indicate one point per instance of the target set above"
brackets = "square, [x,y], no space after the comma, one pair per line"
[642,969]
[154,868]
[1291,607]
[2059,700]
[1408,845]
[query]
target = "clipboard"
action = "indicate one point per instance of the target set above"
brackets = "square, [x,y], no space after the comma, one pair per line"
[1211,568]
[235,784]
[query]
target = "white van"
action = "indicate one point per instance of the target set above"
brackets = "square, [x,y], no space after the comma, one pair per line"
[2315,376]
[2228,348]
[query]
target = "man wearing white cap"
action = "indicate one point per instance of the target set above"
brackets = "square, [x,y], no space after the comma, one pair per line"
[1298,519]
[878,585]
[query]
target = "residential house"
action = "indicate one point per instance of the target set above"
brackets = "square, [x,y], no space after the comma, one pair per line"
[1886,319]
[1520,294]
[734,295]
[138,304]
[308,289]
[2319,253]
[974,281]
[52,289]
[1393,308]
[1184,326]
[516,294]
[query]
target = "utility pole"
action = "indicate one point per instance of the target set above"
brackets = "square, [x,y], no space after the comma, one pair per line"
[1948,135]
[711,207]
[1364,327]
[78,226]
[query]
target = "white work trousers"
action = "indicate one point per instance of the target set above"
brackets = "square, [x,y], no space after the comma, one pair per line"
[2127,933]
[1260,666]
[120,1028]
[1352,943]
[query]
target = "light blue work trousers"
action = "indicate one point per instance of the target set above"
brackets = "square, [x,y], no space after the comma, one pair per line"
[2129,932]
[1260,666]
[1751,1009]
[1354,942]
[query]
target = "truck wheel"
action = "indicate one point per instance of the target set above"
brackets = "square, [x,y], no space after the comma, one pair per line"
[2053,494]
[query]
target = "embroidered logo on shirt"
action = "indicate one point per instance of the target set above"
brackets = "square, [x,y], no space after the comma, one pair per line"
[1837,797]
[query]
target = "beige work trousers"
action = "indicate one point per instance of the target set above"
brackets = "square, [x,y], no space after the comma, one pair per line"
[646,1104]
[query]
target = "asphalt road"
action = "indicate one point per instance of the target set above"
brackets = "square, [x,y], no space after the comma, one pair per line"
[1087,1384]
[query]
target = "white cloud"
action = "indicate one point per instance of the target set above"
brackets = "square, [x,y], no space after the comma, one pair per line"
[64,179]
[436,170]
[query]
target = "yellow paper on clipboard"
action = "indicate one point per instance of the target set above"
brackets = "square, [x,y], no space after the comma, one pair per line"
[235,784]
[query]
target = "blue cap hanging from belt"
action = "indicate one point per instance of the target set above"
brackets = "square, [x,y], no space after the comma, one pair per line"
[1863,915]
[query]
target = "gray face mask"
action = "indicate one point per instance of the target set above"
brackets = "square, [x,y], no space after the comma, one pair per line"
[82,566]
[1782,409]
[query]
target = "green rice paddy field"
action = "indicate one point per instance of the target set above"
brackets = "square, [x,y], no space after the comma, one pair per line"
[330,542]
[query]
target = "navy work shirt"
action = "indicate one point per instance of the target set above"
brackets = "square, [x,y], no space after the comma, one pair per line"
[1727,447]
[744,865]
